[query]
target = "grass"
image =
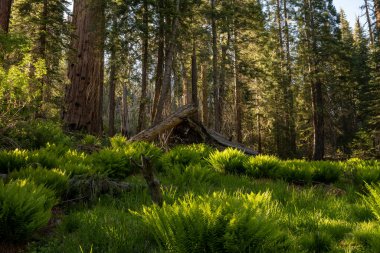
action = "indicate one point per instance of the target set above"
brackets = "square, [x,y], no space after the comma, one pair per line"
[314,218]
[313,206]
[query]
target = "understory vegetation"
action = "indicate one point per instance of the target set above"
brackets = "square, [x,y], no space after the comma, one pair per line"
[85,194]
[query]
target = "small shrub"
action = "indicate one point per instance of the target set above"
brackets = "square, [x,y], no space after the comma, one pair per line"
[118,142]
[24,208]
[91,140]
[75,169]
[373,199]
[114,163]
[228,161]
[296,171]
[13,160]
[135,150]
[263,166]
[55,179]
[36,134]
[326,172]
[74,157]
[184,155]
[360,171]
[192,176]
[217,223]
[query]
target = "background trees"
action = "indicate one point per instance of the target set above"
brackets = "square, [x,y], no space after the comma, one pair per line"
[289,77]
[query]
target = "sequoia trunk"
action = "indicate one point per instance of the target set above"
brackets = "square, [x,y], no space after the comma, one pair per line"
[5,14]
[86,65]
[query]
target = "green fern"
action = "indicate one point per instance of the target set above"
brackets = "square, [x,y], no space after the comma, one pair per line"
[185,155]
[217,223]
[24,208]
[13,160]
[373,199]
[55,179]
[229,161]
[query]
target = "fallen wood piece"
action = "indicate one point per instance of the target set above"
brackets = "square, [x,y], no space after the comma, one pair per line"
[170,122]
[153,184]
[220,139]
[187,131]
[190,131]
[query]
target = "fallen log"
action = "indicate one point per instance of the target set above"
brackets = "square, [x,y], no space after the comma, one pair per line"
[169,123]
[186,130]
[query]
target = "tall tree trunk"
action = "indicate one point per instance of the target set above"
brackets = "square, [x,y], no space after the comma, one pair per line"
[5,14]
[318,121]
[194,80]
[217,115]
[377,15]
[281,113]
[185,84]
[238,94]
[44,81]
[169,58]
[222,81]
[144,77]
[111,119]
[204,95]
[160,58]
[317,95]
[259,144]
[368,16]
[83,99]
[124,112]
[291,140]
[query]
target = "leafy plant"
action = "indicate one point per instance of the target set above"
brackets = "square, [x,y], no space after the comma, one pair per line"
[135,150]
[91,140]
[113,163]
[229,160]
[263,166]
[192,176]
[55,179]
[13,160]
[36,134]
[326,172]
[373,199]
[24,208]
[360,171]
[184,155]
[118,142]
[217,223]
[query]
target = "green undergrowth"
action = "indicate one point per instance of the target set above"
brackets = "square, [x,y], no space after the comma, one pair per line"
[215,201]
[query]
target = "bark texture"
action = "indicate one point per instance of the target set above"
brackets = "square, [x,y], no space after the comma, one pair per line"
[368,16]
[83,101]
[5,14]
[111,120]
[160,58]
[217,114]
[377,15]
[194,80]
[204,95]
[169,58]
[144,76]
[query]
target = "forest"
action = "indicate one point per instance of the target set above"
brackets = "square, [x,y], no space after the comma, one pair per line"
[189,126]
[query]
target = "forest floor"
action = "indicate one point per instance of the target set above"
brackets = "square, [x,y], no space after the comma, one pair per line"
[214,201]
[319,218]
